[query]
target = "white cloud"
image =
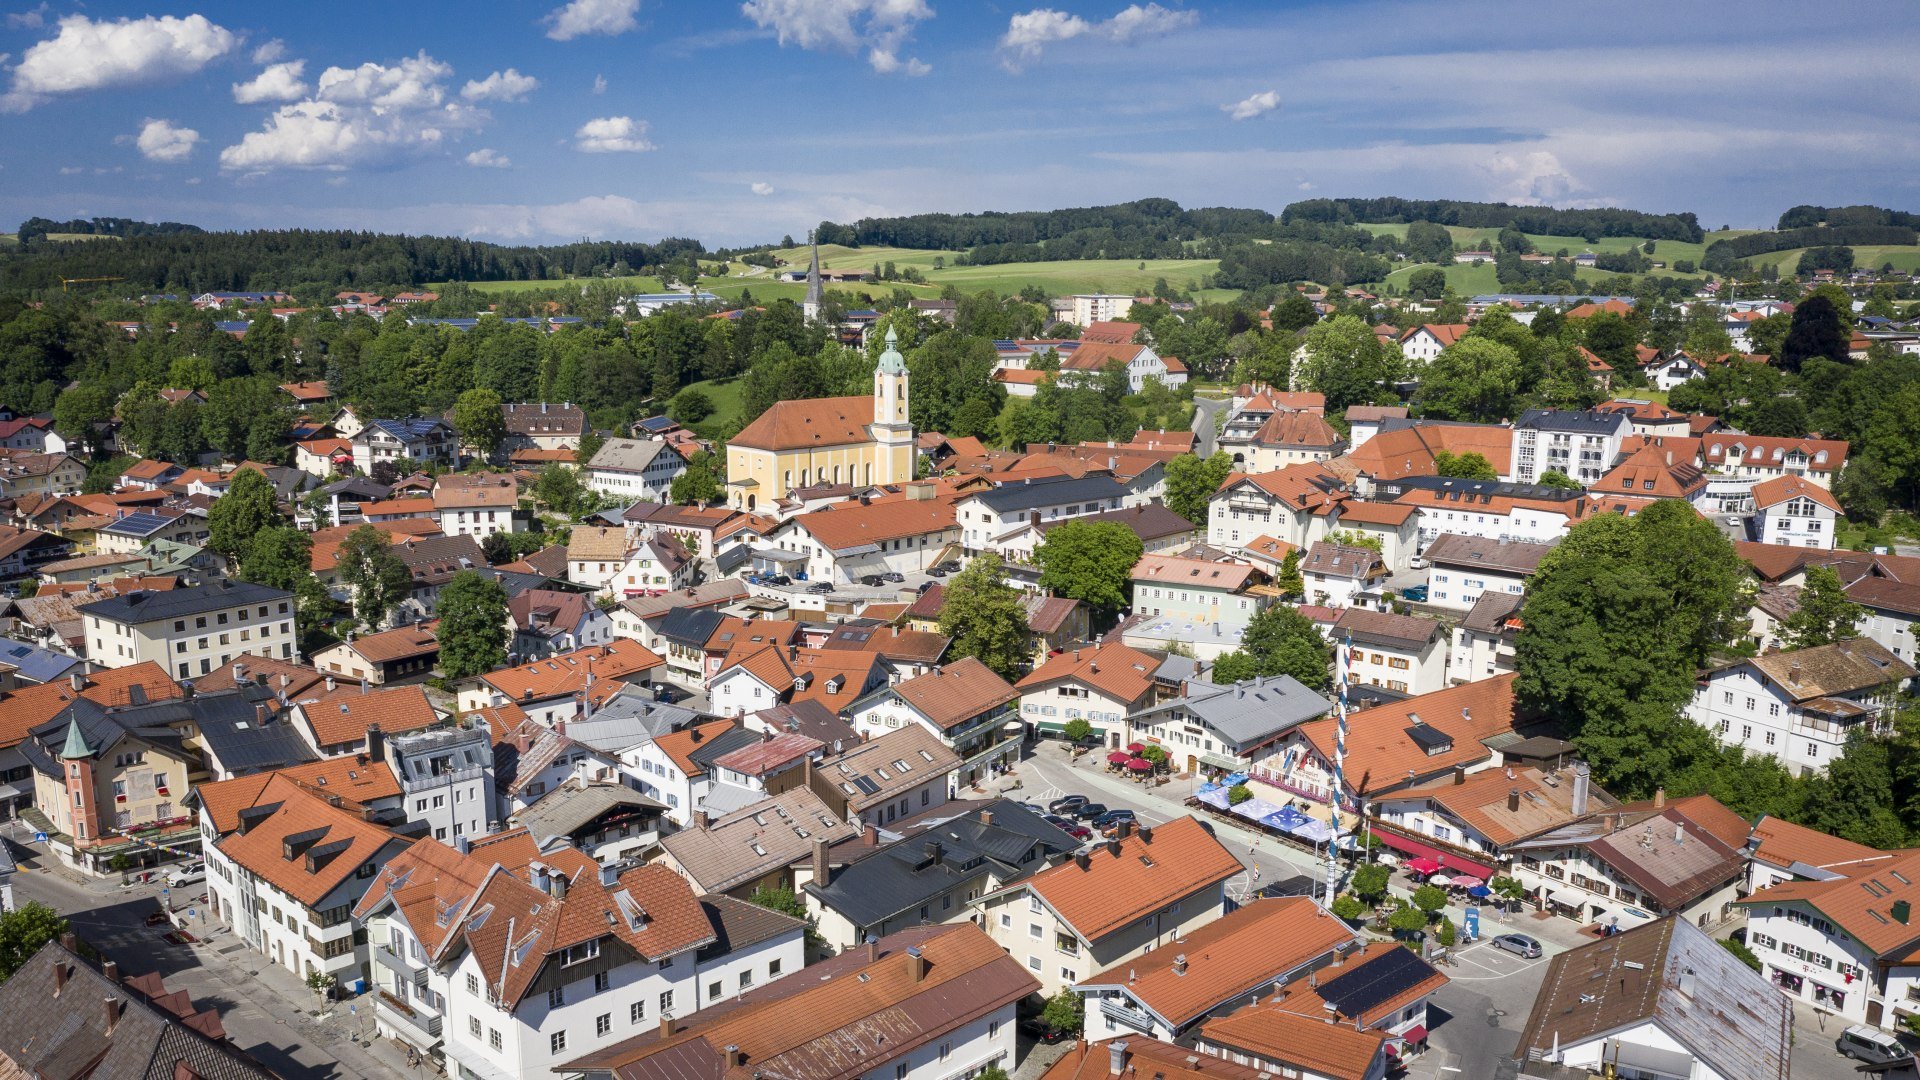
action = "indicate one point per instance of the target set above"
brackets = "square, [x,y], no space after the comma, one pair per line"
[762,188]
[279,82]
[1256,105]
[583,17]
[160,140]
[1304,185]
[599,84]
[270,51]
[612,135]
[488,158]
[508,85]
[881,27]
[369,114]
[89,55]
[1029,31]
[27,20]
[1531,177]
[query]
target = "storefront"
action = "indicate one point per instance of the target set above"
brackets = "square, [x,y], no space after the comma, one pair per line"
[1448,861]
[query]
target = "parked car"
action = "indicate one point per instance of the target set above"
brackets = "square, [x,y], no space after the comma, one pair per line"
[1069,826]
[1112,819]
[1418,562]
[935,571]
[1065,804]
[951,566]
[822,587]
[894,576]
[1870,1045]
[779,579]
[1088,811]
[187,875]
[1414,593]
[871,580]
[1519,944]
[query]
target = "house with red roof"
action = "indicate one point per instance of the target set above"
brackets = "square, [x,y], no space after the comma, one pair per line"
[1422,343]
[1793,511]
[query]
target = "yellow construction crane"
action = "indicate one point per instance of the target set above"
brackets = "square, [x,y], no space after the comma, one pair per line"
[65,282]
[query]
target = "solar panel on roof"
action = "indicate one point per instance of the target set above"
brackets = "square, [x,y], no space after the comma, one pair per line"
[1378,980]
[867,785]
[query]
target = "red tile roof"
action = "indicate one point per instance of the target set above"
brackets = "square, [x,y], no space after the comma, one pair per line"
[1381,755]
[283,850]
[344,715]
[1784,488]
[1153,869]
[1118,671]
[810,423]
[24,709]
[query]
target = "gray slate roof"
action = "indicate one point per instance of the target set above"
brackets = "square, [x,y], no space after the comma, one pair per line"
[1582,422]
[629,455]
[628,719]
[139,607]
[1250,711]
[904,875]
[1048,491]
[567,808]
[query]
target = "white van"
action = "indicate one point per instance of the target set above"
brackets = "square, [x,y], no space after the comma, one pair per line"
[1871,1045]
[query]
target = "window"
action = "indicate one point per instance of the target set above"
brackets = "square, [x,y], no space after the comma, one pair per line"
[556,997]
[746,978]
[1006,921]
[773,968]
[473,983]
[713,990]
[493,1038]
[666,1001]
[557,1041]
[603,1023]
[602,982]
[473,1026]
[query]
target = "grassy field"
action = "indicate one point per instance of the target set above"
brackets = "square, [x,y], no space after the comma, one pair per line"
[62,237]
[1667,251]
[1904,257]
[725,395]
[9,239]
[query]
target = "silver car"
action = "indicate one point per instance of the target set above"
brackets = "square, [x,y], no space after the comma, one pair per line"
[1519,944]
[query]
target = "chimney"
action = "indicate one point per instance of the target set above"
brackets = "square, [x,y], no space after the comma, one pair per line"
[1581,781]
[873,949]
[1459,774]
[699,819]
[916,963]
[78,681]
[1146,834]
[113,1012]
[872,835]
[60,972]
[821,871]
[557,884]
[1180,964]
[376,743]
[330,684]
[666,1026]
[111,971]
[1113,848]
[1117,1057]
[1513,800]
[1081,860]
[736,1057]
[986,817]
[935,853]
[1122,830]
[1659,798]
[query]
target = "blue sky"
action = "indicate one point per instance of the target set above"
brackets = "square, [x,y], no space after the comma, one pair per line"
[538,121]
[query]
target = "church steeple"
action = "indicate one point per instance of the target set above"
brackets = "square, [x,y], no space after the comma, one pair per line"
[891,427]
[810,310]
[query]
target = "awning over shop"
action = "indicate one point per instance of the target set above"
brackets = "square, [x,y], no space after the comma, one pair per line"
[1567,899]
[1415,1034]
[1448,859]
[1215,761]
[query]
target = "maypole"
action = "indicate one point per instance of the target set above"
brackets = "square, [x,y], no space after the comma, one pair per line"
[1343,655]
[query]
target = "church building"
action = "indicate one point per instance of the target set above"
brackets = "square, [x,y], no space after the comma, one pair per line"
[862,441]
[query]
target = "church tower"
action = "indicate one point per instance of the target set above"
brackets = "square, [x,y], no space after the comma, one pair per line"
[891,428]
[810,310]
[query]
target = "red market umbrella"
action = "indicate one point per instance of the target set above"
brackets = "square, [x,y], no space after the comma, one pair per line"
[1118,757]
[1137,747]
[1423,866]
[1139,764]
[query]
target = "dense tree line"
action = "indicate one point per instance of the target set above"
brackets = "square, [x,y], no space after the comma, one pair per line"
[1540,220]
[36,228]
[1250,266]
[1143,222]
[1722,254]
[1804,217]
[194,262]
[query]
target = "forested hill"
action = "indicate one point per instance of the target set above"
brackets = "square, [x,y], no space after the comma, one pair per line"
[195,261]
[1807,217]
[1481,215]
[1146,229]
[37,228]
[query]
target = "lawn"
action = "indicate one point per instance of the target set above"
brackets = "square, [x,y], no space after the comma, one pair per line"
[1667,251]
[1904,257]
[725,395]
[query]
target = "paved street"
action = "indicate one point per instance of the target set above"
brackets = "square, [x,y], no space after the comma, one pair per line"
[1206,423]
[266,1010]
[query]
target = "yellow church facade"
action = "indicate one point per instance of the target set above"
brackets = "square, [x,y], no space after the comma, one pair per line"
[861,441]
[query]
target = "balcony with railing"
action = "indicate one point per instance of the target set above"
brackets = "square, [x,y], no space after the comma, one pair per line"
[410,1016]
[1117,1010]
[408,972]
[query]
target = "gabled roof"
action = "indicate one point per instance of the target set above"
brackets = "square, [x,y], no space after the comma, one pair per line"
[465,491]
[743,846]
[1822,455]
[1339,560]
[1304,485]
[344,715]
[1243,950]
[1671,974]
[1673,856]
[1118,671]
[874,772]
[305,847]
[1479,552]
[956,692]
[1194,573]
[356,780]
[1768,493]
[1366,626]
[1383,753]
[400,643]
[1445,333]
[823,1027]
[1248,713]
[28,707]
[1508,805]
[1874,902]
[581,669]
[632,455]
[1843,667]
[813,423]
[1654,472]
[143,607]
[852,528]
[1132,877]
[1783,843]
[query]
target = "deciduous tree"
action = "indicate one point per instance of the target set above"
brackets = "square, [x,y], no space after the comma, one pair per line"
[1825,615]
[1191,482]
[985,617]
[477,416]
[242,513]
[377,577]
[1089,561]
[473,626]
